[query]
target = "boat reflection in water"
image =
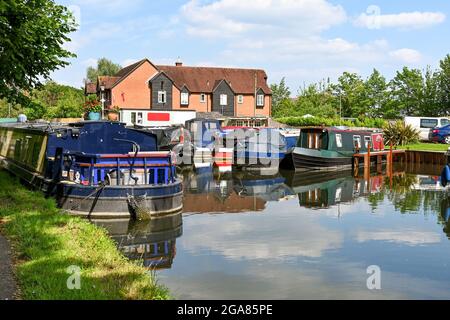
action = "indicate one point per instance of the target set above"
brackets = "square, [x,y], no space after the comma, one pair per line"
[153,242]
[235,192]
[326,189]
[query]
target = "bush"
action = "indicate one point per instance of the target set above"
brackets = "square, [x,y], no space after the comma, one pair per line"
[400,134]
[329,122]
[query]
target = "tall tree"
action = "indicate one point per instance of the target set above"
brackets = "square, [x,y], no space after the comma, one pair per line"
[444,85]
[32,34]
[280,93]
[375,94]
[350,89]
[105,67]
[406,92]
[430,105]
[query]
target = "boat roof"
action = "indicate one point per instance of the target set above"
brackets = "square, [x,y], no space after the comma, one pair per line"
[344,130]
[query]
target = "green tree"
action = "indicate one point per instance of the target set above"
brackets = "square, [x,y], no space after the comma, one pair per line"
[105,67]
[316,100]
[444,85]
[351,89]
[430,105]
[406,92]
[375,95]
[280,94]
[32,34]
[57,101]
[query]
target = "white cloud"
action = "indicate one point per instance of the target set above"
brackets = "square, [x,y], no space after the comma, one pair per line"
[230,18]
[407,237]
[405,55]
[404,20]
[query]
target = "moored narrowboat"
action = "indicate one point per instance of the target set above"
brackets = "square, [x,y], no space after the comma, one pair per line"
[95,168]
[333,148]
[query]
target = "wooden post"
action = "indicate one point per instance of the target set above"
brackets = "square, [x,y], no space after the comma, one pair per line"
[367,163]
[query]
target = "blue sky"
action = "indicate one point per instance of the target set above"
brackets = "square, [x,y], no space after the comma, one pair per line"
[302,40]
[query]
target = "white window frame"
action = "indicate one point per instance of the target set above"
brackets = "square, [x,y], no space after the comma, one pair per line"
[162,96]
[185,98]
[338,140]
[202,97]
[240,99]
[260,100]
[223,99]
[357,138]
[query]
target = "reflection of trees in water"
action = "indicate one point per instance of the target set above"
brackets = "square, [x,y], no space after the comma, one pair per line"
[444,217]
[399,191]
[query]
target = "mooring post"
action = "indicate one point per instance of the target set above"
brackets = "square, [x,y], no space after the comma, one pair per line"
[367,163]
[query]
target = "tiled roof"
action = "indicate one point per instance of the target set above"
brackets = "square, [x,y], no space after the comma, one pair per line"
[128,69]
[107,81]
[90,88]
[204,79]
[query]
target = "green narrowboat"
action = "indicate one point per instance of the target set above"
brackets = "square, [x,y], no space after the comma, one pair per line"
[333,148]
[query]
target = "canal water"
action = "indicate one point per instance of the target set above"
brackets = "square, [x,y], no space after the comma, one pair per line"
[300,236]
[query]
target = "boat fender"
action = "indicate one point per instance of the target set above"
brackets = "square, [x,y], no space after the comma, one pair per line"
[445,176]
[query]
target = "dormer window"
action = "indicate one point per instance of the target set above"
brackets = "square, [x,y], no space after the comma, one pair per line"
[162,96]
[184,98]
[260,100]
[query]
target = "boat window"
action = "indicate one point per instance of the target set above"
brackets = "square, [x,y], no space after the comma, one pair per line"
[339,140]
[357,142]
[367,140]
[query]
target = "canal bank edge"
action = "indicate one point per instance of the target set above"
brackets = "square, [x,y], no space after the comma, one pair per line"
[54,249]
[8,286]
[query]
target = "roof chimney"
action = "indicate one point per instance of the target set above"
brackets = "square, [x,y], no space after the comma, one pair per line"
[178,63]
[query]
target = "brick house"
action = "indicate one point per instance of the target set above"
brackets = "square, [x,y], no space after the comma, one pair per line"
[228,91]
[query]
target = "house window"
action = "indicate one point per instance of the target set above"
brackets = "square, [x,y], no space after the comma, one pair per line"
[223,99]
[202,98]
[133,117]
[260,100]
[339,140]
[184,98]
[162,97]
[240,99]
[140,118]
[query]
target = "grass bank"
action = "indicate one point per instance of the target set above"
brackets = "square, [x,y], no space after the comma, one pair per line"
[47,242]
[425,147]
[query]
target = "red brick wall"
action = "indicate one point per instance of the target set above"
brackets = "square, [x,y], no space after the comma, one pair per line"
[133,91]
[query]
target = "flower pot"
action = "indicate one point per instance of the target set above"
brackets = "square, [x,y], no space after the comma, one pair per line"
[94,116]
[113,116]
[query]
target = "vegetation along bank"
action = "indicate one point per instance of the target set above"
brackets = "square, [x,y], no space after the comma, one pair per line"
[52,249]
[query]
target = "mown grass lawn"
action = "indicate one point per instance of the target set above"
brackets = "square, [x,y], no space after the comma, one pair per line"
[425,147]
[47,242]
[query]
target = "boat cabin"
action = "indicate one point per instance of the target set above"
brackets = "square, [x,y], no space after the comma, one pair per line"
[341,140]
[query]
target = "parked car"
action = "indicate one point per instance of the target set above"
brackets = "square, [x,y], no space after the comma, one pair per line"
[425,125]
[441,135]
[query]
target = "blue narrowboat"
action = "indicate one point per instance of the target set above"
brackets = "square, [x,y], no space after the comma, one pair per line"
[94,168]
[261,148]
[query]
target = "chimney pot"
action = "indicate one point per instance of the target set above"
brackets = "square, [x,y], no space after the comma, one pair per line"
[178,63]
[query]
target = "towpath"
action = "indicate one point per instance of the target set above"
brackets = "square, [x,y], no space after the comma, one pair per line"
[7,281]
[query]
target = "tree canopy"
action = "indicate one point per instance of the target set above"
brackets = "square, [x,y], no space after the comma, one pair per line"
[32,35]
[105,67]
[411,92]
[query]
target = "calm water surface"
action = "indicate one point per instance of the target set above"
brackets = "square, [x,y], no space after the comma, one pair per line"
[296,236]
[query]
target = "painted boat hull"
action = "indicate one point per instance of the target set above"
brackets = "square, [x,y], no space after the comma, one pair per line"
[308,159]
[109,202]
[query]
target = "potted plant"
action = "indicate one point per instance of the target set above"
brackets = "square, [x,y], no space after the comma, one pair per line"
[113,113]
[93,109]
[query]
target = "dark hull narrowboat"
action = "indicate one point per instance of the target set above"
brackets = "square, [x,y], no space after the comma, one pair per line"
[97,169]
[333,148]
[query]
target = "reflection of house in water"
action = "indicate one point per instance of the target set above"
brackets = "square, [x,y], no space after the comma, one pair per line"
[326,189]
[152,241]
[237,192]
